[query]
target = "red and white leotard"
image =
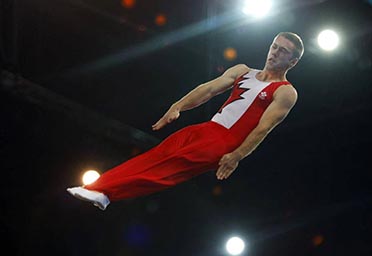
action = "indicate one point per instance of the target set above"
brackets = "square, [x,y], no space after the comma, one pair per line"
[194,149]
[248,101]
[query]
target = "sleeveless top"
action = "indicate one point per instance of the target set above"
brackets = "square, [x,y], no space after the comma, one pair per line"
[247,102]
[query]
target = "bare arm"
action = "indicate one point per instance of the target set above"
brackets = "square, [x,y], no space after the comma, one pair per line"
[284,99]
[202,94]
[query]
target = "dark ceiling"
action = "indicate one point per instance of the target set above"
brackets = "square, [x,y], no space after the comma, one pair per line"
[84,80]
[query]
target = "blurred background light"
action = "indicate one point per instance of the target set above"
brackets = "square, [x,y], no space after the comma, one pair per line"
[257,9]
[137,235]
[90,177]
[318,240]
[235,246]
[160,20]
[230,54]
[128,3]
[328,40]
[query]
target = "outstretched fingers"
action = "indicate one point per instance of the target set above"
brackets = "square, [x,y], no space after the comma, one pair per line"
[227,166]
[169,117]
[159,124]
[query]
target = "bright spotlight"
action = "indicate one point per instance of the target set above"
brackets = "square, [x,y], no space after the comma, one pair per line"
[90,177]
[257,8]
[235,246]
[328,40]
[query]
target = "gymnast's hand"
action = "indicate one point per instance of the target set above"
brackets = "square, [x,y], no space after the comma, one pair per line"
[171,115]
[228,163]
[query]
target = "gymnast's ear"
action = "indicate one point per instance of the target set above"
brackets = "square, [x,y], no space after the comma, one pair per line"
[293,62]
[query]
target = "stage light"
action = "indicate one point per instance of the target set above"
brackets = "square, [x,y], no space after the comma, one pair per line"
[235,246]
[230,54]
[90,177]
[128,3]
[328,40]
[257,8]
[160,20]
[318,240]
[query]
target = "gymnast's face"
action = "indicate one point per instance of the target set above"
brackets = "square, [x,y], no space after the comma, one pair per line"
[280,56]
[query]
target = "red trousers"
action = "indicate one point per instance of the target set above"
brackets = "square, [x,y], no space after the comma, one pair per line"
[186,153]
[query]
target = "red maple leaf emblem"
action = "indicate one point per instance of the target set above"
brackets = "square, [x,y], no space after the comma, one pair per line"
[236,93]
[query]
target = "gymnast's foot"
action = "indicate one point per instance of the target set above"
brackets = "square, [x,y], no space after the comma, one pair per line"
[96,198]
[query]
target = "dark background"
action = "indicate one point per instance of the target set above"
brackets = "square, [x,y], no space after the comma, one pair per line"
[83,81]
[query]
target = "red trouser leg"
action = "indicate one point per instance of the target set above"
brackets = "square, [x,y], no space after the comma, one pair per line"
[183,155]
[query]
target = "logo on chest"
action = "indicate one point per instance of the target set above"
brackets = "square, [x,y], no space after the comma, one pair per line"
[262,95]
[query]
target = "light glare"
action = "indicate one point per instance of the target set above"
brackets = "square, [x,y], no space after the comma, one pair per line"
[235,246]
[328,40]
[230,53]
[90,176]
[257,8]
